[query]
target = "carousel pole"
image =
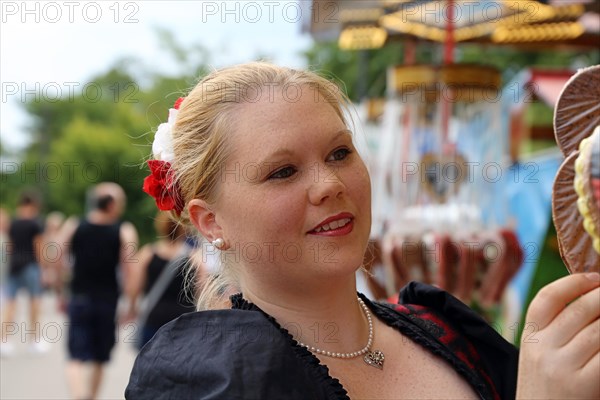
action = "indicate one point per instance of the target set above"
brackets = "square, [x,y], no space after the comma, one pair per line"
[410,52]
[410,58]
[449,46]
[449,43]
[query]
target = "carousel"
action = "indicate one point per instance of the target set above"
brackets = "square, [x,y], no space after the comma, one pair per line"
[440,206]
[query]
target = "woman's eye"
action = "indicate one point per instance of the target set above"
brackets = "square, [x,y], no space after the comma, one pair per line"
[283,173]
[339,154]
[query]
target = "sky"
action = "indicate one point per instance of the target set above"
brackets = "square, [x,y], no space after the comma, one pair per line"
[57,47]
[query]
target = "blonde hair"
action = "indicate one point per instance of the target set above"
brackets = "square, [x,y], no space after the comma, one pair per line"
[203,125]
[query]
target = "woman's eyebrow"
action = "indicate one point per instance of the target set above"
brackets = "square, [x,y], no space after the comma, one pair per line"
[277,153]
[340,133]
[288,152]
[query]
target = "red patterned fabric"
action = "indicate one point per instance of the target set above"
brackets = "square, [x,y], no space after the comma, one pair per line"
[436,325]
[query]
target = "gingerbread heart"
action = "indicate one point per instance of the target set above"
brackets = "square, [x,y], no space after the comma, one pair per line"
[575,205]
[575,245]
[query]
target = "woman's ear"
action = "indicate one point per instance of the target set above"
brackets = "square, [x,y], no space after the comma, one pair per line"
[204,220]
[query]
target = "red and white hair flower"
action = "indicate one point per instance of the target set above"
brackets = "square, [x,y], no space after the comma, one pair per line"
[160,184]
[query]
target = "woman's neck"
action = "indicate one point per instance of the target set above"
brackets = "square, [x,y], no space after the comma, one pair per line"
[327,317]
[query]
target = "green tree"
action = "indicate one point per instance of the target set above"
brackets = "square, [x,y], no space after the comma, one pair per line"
[103,133]
[355,69]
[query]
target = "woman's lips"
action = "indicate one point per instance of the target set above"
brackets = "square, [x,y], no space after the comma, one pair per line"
[341,231]
[338,225]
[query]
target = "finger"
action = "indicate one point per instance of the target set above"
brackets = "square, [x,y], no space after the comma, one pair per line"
[580,350]
[575,317]
[553,298]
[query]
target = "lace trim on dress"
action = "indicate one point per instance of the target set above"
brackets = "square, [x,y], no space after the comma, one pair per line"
[330,385]
[401,322]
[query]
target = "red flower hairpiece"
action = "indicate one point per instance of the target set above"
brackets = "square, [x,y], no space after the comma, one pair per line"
[178,103]
[160,185]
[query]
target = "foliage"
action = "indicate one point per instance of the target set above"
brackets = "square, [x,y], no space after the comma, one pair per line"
[102,134]
[511,60]
[345,67]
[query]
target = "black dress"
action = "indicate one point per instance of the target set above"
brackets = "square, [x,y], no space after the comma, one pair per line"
[174,300]
[243,353]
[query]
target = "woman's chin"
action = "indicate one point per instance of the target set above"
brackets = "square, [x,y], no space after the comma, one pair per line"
[341,266]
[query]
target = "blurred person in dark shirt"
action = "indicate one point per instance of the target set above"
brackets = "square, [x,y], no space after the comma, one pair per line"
[103,249]
[24,253]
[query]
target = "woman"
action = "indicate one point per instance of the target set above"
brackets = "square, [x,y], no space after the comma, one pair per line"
[160,276]
[264,166]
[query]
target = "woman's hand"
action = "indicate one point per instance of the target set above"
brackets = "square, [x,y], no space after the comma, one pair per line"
[562,361]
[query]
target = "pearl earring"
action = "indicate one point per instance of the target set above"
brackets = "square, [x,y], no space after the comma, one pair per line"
[218,243]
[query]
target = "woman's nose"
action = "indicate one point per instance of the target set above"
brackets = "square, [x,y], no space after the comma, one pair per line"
[325,183]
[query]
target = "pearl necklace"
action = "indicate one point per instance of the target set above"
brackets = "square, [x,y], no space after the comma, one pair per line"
[372,358]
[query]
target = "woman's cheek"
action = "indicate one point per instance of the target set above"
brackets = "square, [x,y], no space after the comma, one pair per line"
[362,182]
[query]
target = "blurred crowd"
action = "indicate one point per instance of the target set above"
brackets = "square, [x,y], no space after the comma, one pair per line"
[99,275]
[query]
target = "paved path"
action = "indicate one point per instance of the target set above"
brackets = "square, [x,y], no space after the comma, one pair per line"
[42,376]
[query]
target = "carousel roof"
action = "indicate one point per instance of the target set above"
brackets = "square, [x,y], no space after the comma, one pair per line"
[370,24]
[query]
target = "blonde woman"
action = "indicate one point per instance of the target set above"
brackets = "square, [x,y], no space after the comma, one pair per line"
[260,160]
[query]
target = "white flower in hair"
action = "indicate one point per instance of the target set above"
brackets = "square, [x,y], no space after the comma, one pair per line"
[162,147]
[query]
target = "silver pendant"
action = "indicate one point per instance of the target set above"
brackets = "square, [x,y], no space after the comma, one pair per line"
[374,359]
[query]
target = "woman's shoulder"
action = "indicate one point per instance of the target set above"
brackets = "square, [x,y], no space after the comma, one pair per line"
[219,354]
[197,337]
[207,328]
